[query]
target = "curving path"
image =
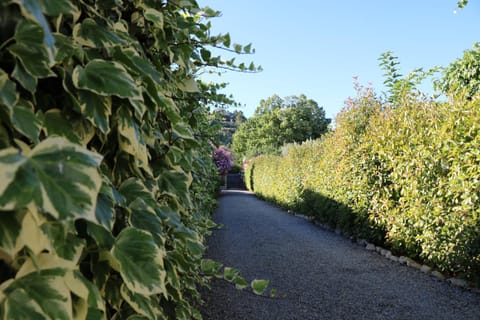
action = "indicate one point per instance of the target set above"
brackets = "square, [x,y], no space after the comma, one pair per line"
[323,275]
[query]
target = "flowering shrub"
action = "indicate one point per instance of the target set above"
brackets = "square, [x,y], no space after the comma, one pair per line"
[223,160]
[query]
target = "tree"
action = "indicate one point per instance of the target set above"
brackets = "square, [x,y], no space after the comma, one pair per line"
[463,75]
[227,123]
[278,121]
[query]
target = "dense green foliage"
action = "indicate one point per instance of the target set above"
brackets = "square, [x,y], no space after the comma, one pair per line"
[278,121]
[463,75]
[403,176]
[106,175]
[228,122]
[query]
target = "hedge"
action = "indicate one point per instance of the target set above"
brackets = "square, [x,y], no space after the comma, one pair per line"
[403,176]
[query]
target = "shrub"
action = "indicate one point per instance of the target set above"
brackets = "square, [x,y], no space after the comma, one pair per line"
[404,177]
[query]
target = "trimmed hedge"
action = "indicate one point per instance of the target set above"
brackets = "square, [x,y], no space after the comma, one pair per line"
[404,177]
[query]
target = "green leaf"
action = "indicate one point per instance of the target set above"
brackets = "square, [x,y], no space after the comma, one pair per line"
[189,85]
[237,47]
[30,49]
[240,283]
[154,16]
[27,81]
[55,123]
[137,64]
[230,274]
[210,267]
[131,139]
[259,286]
[57,175]
[9,233]
[105,210]
[96,108]
[101,235]
[144,305]
[91,34]
[8,92]
[66,244]
[38,295]
[65,47]
[144,217]
[140,261]
[106,78]
[58,7]
[25,121]
[32,10]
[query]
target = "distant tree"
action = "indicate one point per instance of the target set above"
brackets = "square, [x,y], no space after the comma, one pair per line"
[278,121]
[228,122]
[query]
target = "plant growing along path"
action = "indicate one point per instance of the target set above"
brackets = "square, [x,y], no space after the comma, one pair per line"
[317,274]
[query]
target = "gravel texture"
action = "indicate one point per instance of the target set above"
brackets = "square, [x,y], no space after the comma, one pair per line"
[318,274]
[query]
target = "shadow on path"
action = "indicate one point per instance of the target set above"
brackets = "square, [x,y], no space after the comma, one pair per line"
[323,275]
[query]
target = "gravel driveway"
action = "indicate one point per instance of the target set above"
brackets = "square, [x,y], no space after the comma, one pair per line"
[320,274]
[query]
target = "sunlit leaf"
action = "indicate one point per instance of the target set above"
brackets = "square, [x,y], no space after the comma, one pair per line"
[59,176]
[259,286]
[106,78]
[91,34]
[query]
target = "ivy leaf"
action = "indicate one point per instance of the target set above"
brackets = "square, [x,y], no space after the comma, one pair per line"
[31,50]
[9,233]
[139,261]
[66,244]
[131,139]
[56,124]
[57,175]
[32,10]
[154,16]
[8,92]
[91,34]
[259,286]
[58,7]
[230,274]
[27,81]
[96,108]
[25,121]
[240,283]
[144,305]
[106,78]
[65,47]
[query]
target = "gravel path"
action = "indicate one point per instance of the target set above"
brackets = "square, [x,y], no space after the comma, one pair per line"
[323,275]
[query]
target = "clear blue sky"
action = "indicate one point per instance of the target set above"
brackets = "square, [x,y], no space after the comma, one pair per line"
[316,47]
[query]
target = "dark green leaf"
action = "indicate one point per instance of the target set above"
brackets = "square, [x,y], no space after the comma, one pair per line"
[96,108]
[106,78]
[25,121]
[91,34]
[26,79]
[31,50]
[8,92]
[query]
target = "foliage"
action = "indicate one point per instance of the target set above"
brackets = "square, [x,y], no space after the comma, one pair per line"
[279,121]
[404,176]
[228,122]
[106,175]
[463,75]
[223,160]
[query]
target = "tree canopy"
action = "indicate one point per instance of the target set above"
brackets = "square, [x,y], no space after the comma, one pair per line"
[227,123]
[278,121]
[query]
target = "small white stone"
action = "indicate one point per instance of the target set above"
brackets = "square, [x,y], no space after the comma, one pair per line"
[413,264]
[458,282]
[370,247]
[425,269]
[393,258]
[403,260]
[438,275]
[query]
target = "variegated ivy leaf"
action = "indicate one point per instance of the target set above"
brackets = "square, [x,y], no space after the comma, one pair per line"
[65,243]
[259,286]
[42,290]
[58,176]
[25,121]
[131,140]
[27,81]
[30,49]
[106,78]
[96,108]
[144,305]
[9,233]
[8,91]
[154,16]
[139,261]
[91,34]
[32,10]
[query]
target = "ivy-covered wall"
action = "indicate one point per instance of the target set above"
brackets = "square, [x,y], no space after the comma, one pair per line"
[404,177]
[106,175]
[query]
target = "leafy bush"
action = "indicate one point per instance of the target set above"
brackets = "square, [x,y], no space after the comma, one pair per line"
[403,176]
[106,175]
